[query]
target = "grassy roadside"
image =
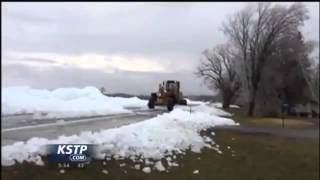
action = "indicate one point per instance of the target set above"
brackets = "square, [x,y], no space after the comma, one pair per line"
[268,122]
[248,157]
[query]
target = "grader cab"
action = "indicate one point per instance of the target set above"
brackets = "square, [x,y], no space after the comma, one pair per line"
[169,94]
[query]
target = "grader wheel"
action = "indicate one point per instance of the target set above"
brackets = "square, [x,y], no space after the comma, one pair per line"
[170,104]
[151,103]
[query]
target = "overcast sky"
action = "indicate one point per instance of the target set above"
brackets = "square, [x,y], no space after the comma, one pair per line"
[125,47]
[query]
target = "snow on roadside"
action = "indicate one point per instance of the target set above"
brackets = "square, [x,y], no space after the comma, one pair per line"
[191,102]
[219,105]
[209,108]
[64,102]
[164,135]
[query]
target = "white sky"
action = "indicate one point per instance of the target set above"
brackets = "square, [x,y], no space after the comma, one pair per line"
[125,47]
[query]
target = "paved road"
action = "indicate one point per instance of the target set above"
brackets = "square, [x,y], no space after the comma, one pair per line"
[24,127]
[285,132]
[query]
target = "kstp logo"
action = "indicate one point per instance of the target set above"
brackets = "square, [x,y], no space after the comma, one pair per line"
[75,152]
[71,149]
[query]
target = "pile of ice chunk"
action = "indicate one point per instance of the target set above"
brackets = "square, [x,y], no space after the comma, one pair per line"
[64,102]
[162,136]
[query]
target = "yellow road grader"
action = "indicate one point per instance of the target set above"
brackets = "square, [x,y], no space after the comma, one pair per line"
[169,94]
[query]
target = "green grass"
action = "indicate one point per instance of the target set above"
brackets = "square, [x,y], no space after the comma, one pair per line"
[256,157]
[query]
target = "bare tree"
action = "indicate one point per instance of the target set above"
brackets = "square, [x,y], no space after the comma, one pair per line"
[315,83]
[218,69]
[288,66]
[255,31]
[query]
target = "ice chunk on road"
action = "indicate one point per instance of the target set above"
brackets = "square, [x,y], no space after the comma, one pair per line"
[174,164]
[64,102]
[62,171]
[146,170]
[195,171]
[137,166]
[207,139]
[104,171]
[158,166]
